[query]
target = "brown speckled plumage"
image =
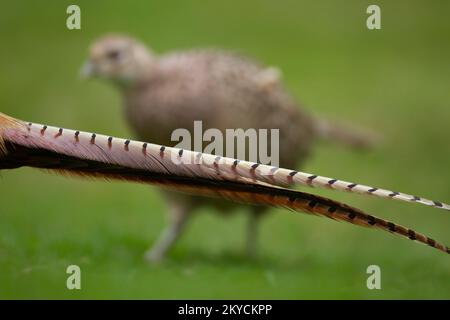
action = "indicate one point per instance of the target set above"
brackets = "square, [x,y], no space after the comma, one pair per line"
[224,91]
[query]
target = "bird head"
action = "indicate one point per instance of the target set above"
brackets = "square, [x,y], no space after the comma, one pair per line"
[120,59]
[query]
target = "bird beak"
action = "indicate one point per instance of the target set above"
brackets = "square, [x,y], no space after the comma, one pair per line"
[87,70]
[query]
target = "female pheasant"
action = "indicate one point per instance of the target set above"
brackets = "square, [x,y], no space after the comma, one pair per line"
[223,90]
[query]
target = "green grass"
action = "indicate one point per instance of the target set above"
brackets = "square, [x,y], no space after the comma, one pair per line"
[395,80]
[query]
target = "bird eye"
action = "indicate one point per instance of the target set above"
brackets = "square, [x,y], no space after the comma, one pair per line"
[113,55]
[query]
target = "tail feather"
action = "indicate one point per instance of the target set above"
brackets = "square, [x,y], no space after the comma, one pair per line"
[91,155]
[345,135]
[140,155]
[307,203]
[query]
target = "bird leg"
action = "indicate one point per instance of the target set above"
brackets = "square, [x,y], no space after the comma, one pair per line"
[179,214]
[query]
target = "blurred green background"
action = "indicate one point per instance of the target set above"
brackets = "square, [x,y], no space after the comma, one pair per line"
[394,80]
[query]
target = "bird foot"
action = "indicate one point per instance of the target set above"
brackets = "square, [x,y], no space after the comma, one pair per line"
[154,257]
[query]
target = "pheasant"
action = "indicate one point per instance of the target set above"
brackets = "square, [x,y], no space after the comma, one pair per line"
[85,154]
[223,90]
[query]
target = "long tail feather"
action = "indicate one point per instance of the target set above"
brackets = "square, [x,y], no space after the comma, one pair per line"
[92,155]
[142,155]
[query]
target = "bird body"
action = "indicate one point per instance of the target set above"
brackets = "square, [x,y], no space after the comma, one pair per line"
[223,90]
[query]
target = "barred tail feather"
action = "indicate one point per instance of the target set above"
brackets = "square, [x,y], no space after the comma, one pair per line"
[88,154]
[305,202]
[183,162]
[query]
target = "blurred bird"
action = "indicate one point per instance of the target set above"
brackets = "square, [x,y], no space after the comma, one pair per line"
[224,90]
